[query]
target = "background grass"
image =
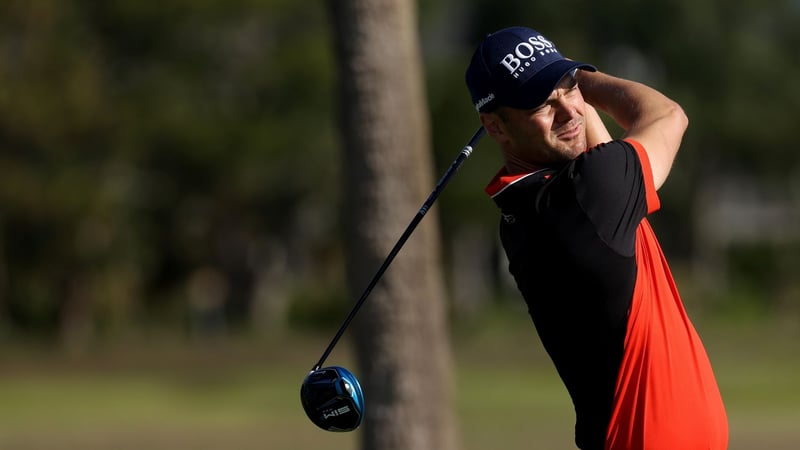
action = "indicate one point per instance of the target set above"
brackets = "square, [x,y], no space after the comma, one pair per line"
[244,394]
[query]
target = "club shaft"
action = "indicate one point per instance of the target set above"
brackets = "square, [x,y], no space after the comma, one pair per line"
[462,156]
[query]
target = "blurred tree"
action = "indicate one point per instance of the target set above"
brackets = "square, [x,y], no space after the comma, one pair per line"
[149,152]
[402,334]
[157,158]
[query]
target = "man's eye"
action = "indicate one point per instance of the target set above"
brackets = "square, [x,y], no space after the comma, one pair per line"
[540,109]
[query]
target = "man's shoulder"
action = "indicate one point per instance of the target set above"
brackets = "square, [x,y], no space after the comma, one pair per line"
[609,153]
[509,192]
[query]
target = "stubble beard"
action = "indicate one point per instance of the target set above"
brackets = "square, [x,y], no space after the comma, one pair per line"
[567,150]
[563,152]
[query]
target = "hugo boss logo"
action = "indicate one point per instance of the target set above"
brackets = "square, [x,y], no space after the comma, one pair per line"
[525,53]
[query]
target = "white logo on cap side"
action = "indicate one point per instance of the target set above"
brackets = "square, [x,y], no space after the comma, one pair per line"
[482,102]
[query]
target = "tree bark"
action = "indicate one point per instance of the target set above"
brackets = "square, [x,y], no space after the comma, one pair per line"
[402,340]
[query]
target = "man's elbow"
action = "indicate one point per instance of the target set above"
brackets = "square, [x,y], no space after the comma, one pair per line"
[679,117]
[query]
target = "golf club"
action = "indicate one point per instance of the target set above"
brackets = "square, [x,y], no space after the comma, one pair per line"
[331,396]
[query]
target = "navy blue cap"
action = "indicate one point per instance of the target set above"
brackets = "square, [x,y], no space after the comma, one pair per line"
[516,67]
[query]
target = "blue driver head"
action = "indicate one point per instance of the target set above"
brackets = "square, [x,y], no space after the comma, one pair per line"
[332,399]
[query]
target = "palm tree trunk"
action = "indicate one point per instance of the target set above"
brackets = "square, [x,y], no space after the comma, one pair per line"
[402,342]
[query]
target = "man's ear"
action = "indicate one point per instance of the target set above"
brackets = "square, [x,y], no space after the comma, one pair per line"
[491,122]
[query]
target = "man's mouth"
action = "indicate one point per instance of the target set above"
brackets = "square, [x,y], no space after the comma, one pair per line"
[569,131]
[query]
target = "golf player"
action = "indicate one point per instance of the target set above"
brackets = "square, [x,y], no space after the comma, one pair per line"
[573,224]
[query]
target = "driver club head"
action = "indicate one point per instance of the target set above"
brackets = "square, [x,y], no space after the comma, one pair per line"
[332,398]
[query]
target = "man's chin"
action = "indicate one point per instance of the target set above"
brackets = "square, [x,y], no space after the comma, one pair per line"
[573,147]
[573,151]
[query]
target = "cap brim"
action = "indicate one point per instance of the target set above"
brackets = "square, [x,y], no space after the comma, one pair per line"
[535,91]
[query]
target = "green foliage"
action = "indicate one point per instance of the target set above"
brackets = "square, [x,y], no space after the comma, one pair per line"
[141,142]
[144,144]
[314,309]
[762,276]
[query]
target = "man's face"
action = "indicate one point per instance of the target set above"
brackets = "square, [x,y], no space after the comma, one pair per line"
[552,133]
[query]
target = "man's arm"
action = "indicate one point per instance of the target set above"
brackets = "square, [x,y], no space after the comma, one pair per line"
[648,116]
[596,131]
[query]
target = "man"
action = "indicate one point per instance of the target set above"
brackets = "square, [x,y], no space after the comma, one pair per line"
[583,255]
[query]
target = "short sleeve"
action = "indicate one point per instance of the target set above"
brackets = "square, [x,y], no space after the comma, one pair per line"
[653,202]
[614,187]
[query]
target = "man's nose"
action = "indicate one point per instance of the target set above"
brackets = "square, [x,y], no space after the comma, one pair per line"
[565,110]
